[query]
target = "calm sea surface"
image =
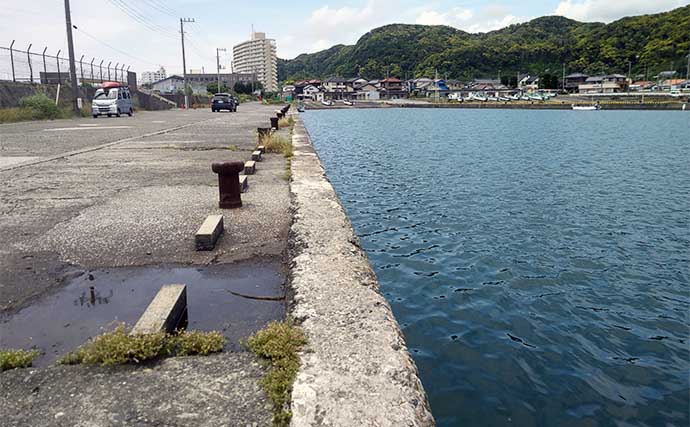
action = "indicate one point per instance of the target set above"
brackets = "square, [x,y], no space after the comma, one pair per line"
[537,261]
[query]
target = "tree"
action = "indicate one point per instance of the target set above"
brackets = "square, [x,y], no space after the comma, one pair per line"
[246,88]
[212,88]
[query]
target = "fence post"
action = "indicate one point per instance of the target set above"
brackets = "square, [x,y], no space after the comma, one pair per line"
[81,68]
[45,69]
[127,80]
[116,71]
[101,67]
[109,69]
[92,76]
[12,60]
[57,59]
[122,75]
[31,70]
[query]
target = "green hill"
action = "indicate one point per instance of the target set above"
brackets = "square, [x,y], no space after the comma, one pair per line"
[653,42]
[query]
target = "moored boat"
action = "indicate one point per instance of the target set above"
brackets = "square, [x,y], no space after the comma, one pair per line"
[587,107]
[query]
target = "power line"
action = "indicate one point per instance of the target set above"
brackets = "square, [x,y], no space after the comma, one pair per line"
[136,58]
[159,8]
[132,13]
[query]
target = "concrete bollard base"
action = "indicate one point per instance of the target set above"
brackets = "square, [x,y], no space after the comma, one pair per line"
[209,232]
[166,313]
[250,167]
[256,156]
[244,183]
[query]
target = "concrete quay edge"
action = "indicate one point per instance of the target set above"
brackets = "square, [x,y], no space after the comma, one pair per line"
[356,370]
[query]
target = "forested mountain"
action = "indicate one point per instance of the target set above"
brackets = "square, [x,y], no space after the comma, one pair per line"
[650,43]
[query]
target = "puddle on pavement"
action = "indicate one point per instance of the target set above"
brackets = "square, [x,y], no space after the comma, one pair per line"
[63,321]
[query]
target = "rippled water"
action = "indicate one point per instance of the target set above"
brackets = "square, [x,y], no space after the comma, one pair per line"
[538,261]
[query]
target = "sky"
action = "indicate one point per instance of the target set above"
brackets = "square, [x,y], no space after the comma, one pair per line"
[145,34]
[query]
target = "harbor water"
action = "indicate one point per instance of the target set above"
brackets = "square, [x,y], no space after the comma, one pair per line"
[538,262]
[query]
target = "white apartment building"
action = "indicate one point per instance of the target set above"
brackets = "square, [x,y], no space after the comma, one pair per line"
[258,56]
[148,77]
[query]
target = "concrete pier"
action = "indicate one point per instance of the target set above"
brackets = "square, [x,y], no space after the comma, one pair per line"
[357,371]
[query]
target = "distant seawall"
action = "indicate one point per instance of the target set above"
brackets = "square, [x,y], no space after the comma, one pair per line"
[357,370]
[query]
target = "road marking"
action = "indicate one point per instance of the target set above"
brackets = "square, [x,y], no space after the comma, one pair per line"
[10,161]
[89,128]
[158,121]
[90,125]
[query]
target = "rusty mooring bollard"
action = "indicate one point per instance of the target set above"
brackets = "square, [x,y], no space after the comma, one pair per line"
[274,122]
[229,183]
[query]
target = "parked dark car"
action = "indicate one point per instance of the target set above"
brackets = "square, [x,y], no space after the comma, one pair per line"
[223,101]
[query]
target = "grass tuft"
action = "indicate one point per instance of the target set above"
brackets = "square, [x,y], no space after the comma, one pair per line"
[286,122]
[279,344]
[12,359]
[198,343]
[117,347]
[277,144]
[39,107]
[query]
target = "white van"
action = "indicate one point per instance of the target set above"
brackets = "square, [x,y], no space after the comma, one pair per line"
[112,99]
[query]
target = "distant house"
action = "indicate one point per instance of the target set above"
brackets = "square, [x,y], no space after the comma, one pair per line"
[368,92]
[528,83]
[199,82]
[672,84]
[355,83]
[311,92]
[455,84]
[169,85]
[573,81]
[665,75]
[611,83]
[392,88]
[335,87]
[438,89]
[418,87]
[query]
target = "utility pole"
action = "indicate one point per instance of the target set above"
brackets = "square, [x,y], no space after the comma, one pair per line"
[184,63]
[563,82]
[72,66]
[218,50]
[687,70]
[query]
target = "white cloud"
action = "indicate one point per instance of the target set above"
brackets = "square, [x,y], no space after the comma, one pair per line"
[489,18]
[328,26]
[610,10]
[454,17]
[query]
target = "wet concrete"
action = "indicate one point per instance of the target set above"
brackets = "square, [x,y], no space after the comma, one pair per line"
[63,321]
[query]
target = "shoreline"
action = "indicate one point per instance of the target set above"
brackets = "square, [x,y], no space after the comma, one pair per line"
[506,106]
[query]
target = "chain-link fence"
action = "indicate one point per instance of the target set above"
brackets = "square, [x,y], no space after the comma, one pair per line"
[28,66]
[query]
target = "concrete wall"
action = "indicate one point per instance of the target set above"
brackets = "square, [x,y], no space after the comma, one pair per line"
[357,370]
[11,93]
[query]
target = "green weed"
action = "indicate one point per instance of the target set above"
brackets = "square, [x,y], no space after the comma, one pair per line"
[279,344]
[11,359]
